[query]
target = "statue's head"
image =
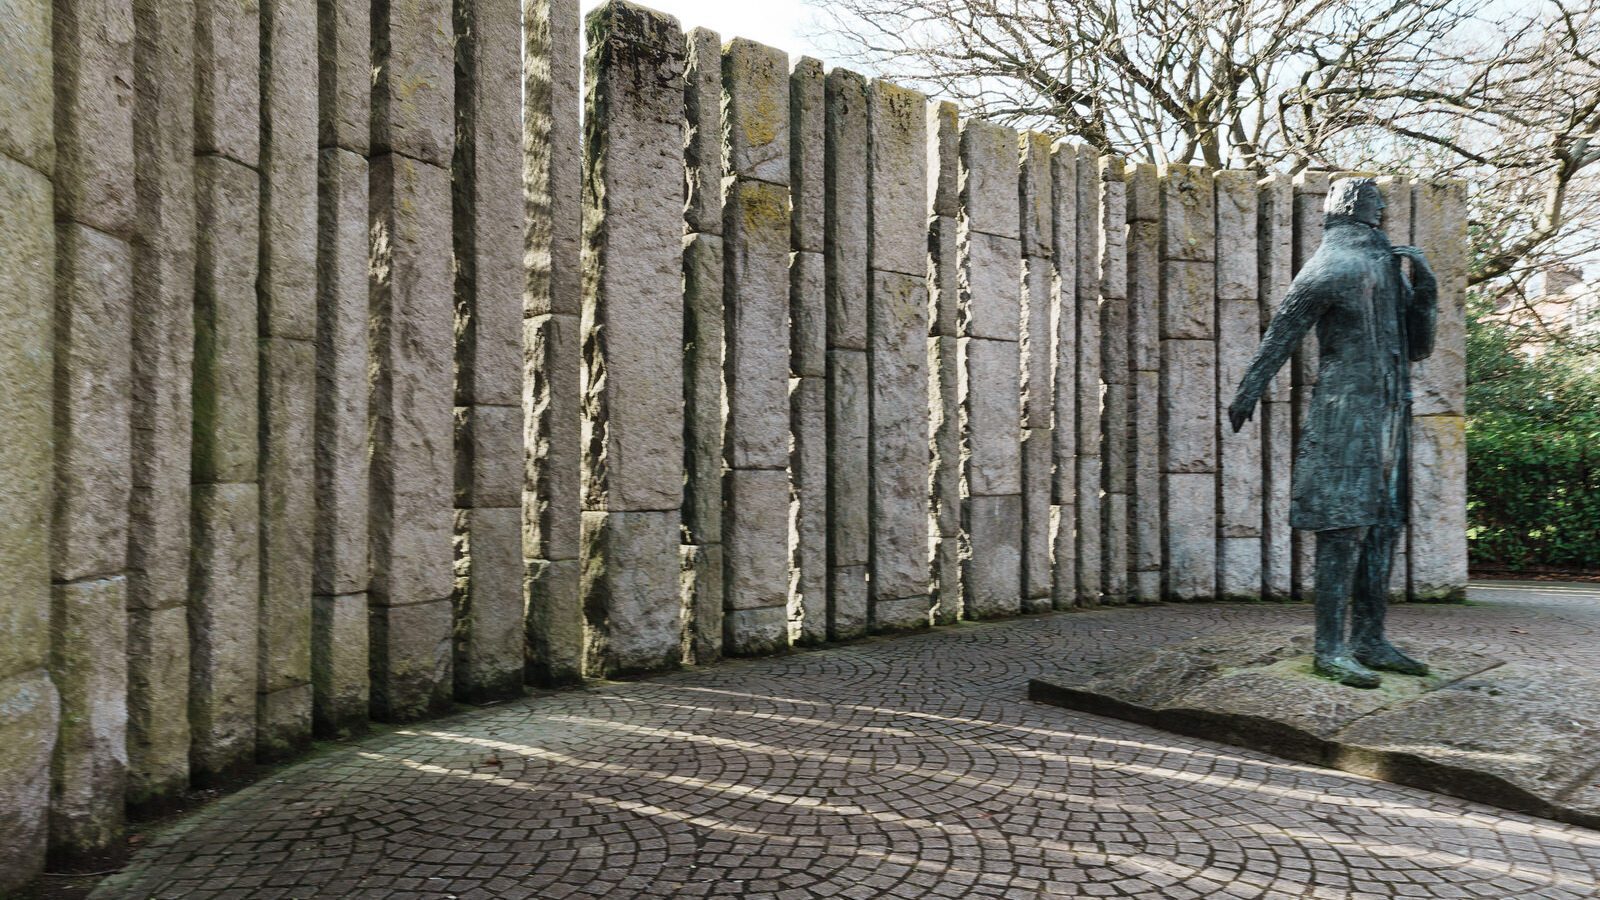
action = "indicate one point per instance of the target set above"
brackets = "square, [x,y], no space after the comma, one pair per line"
[1357,199]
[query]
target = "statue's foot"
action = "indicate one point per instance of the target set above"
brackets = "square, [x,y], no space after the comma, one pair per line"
[1346,671]
[1385,656]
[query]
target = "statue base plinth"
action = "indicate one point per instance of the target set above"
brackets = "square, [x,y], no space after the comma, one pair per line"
[1524,736]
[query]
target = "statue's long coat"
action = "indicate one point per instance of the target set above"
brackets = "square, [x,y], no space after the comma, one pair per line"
[1350,463]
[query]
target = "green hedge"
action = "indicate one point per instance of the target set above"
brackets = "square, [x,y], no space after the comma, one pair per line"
[1533,494]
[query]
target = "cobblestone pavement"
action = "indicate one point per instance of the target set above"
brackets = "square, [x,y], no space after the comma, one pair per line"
[906,768]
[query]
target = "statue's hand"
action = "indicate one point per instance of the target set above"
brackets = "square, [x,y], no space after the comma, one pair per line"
[1412,253]
[1240,411]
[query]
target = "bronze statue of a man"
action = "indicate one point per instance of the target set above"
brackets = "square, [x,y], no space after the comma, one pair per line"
[1350,483]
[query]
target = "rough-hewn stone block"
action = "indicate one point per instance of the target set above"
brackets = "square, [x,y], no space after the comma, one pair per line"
[897,180]
[89,667]
[944,159]
[93,453]
[411,660]
[488,205]
[992,571]
[703,391]
[227,71]
[27,320]
[412,414]
[898,384]
[1090,547]
[225,354]
[489,460]
[990,412]
[630,591]
[990,282]
[1188,300]
[808,311]
[29,729]
[756,632]
[1236,234]
[1037,578]
[287,286]
[1114,450]
[1438,538]
[413,81]
[1189,406]
[1188,213]
[808,128]
[702,137]
[489,635]
[808,505]
[1190,550]
[552,144]
[755,102]
[339,655]
[1064,553]
[948,594]
[845,214]
[94,103]
[848,458]
[1037,347]
[1037,204]
[633,270]
[1278,451]
[906,614]
[755,539]
[283,722]
[700,584]
[158,695]
[553,422]
[988,178]
[756,324]
[344,78]
[224,591]
[1114,548]
[556,633]
[27,127]
[944,284]
[1064,328]
[1239,454]
[847,602]
[944,408]
[1144,473]
[1439,219]
[1239,568]
[1113,258]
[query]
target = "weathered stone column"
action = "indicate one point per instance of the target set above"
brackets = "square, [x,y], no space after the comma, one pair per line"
[162,411]
[755,229]
[1144,383]
[1114,378]
[808,356]
[944,402]
[1090,400]
[1038,298]
[1064,337]
[989,365]
[287,293]
[897,354]
[632,320]
[552,149]
[1240,479]
[487,176]
[1275,270]
[1397,191]
[1310,191]
[340,574]
[1189,382]
[95,213]
[412,472]
[1438,544]
[27,307]
[845,270]
[702,349]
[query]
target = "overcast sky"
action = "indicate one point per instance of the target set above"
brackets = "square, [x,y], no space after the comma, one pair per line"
[786,24]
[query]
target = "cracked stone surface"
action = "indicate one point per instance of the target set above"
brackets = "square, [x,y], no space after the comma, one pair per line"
[909,767]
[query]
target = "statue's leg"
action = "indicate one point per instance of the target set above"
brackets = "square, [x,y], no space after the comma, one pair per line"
[1370,603]
[1338,555]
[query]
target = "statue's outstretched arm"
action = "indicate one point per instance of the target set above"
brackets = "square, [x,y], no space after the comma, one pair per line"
[1295,317]
[1422,312]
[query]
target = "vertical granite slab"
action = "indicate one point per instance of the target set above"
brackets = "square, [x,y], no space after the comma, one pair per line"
[1144,383]
[1396,190]
[991,585]
[411,508]
[1089,344]
[552,302]
[1310,192]
[1275,270]
[897,330]
[33,712]
[344,75]
[756,324]
[227,85]
[413,83]
[161,416]
[224,585]
[1064,339]
[849,532]
[1114,375]
[703,401]
[633,320]
[1240,479]
[808,355]
[89,668]
[488,649]
[808,509]
[339,652]
[702,135]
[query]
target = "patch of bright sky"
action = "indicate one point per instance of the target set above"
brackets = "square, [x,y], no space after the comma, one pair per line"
[790,25]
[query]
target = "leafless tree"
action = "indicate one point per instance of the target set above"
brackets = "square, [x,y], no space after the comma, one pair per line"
[1503,93]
